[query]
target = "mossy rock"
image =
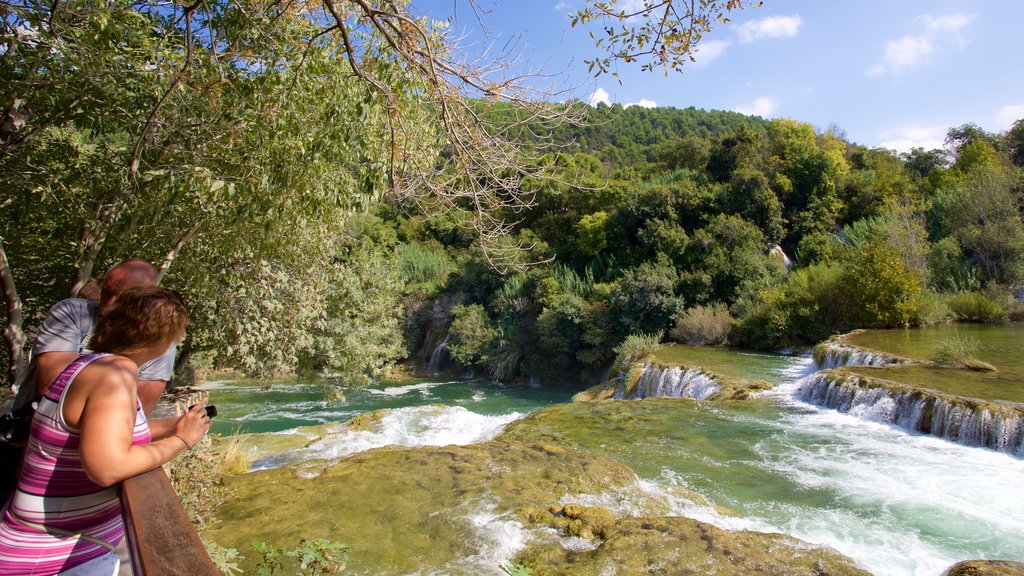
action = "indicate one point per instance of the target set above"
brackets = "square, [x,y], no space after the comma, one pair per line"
[587,522]
[399,509]
[986,568]
[682,546]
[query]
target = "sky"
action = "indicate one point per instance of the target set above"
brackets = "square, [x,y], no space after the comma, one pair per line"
[887,73]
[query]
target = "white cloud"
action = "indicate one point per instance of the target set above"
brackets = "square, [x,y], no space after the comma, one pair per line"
[643,103]
[903,53]
[762,106]
[771,27]
[903,139]
[561,6]
[708,51]
[1009,114]
[599,95]
[947,23]
[912,50]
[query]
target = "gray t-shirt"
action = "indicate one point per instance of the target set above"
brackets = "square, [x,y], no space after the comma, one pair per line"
[69,326]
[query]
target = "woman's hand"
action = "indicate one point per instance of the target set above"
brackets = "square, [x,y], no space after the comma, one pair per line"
[193,425]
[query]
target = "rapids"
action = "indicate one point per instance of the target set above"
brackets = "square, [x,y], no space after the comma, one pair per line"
[897,503]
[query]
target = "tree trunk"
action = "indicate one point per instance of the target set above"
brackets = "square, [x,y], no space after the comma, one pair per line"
[13,331]
[173,253]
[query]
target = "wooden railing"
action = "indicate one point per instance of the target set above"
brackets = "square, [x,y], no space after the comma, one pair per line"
[161,539]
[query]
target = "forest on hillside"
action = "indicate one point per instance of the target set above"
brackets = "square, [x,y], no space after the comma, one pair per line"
[336,214]
[711,227]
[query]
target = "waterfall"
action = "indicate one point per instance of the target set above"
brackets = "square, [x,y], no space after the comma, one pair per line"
[995,425]
[672,382]
[834,355]
[438,356]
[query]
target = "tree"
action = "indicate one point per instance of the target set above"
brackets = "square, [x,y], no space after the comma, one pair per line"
[885,290]
[471,335]
[1015,142]
[645,300]
[659,33]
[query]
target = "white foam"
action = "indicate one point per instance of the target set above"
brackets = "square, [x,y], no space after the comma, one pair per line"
[409,427]
[403,390]
[498,538]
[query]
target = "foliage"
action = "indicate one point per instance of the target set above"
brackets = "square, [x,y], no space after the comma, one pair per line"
[471,335]
[198,477]
[959,351]
[645,300]
[729,259]
[812,304]
[420,265]
[706,325]
[975,307]
[980,209]
[636,347]
[885,290]
[665,34]
[310,558]
[932,309]
[225,559]
[590,231]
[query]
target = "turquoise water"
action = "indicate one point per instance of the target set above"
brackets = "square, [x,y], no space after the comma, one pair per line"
[899,504]
[242,407]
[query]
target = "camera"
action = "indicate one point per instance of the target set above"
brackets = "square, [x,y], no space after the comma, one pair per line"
[211,410]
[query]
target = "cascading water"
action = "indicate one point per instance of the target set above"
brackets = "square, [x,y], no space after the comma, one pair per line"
[999,426]
[439,355]
[835,355]
[671,382]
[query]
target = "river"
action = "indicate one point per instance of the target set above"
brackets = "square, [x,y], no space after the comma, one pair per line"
[897,503]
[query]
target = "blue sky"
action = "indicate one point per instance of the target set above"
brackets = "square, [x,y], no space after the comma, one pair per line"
[891,73]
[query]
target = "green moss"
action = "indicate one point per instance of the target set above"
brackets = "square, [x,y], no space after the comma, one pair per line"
[681,546]
[399,510]
[988,386]
[987,568]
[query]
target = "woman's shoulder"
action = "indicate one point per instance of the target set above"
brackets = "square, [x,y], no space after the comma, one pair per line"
[111,367]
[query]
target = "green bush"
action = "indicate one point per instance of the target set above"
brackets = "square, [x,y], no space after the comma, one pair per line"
[471,334]
[637,346]
[812,304]
[931,310]
[883,286]
[703,325]
[975,307]
[959,352]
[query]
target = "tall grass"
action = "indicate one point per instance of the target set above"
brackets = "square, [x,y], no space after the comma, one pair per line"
[420,265]
[637,346]
[572,283]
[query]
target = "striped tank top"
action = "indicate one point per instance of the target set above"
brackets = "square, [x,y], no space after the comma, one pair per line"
[54,491]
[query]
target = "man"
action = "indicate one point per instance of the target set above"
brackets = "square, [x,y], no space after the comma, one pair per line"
[68,326]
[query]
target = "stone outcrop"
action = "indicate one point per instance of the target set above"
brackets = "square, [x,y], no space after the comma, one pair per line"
[673,546]
[986,568]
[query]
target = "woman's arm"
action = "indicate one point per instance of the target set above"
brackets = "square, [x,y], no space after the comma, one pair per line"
[163,427]
[107,421]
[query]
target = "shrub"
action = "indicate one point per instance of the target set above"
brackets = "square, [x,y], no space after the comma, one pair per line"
[931,310]
[471,334]
[703,325]
[637,346]
[959,352]
[885,288]
[975,307]
[198,476]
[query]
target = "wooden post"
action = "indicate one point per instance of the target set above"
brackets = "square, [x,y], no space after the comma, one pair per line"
[161,539]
